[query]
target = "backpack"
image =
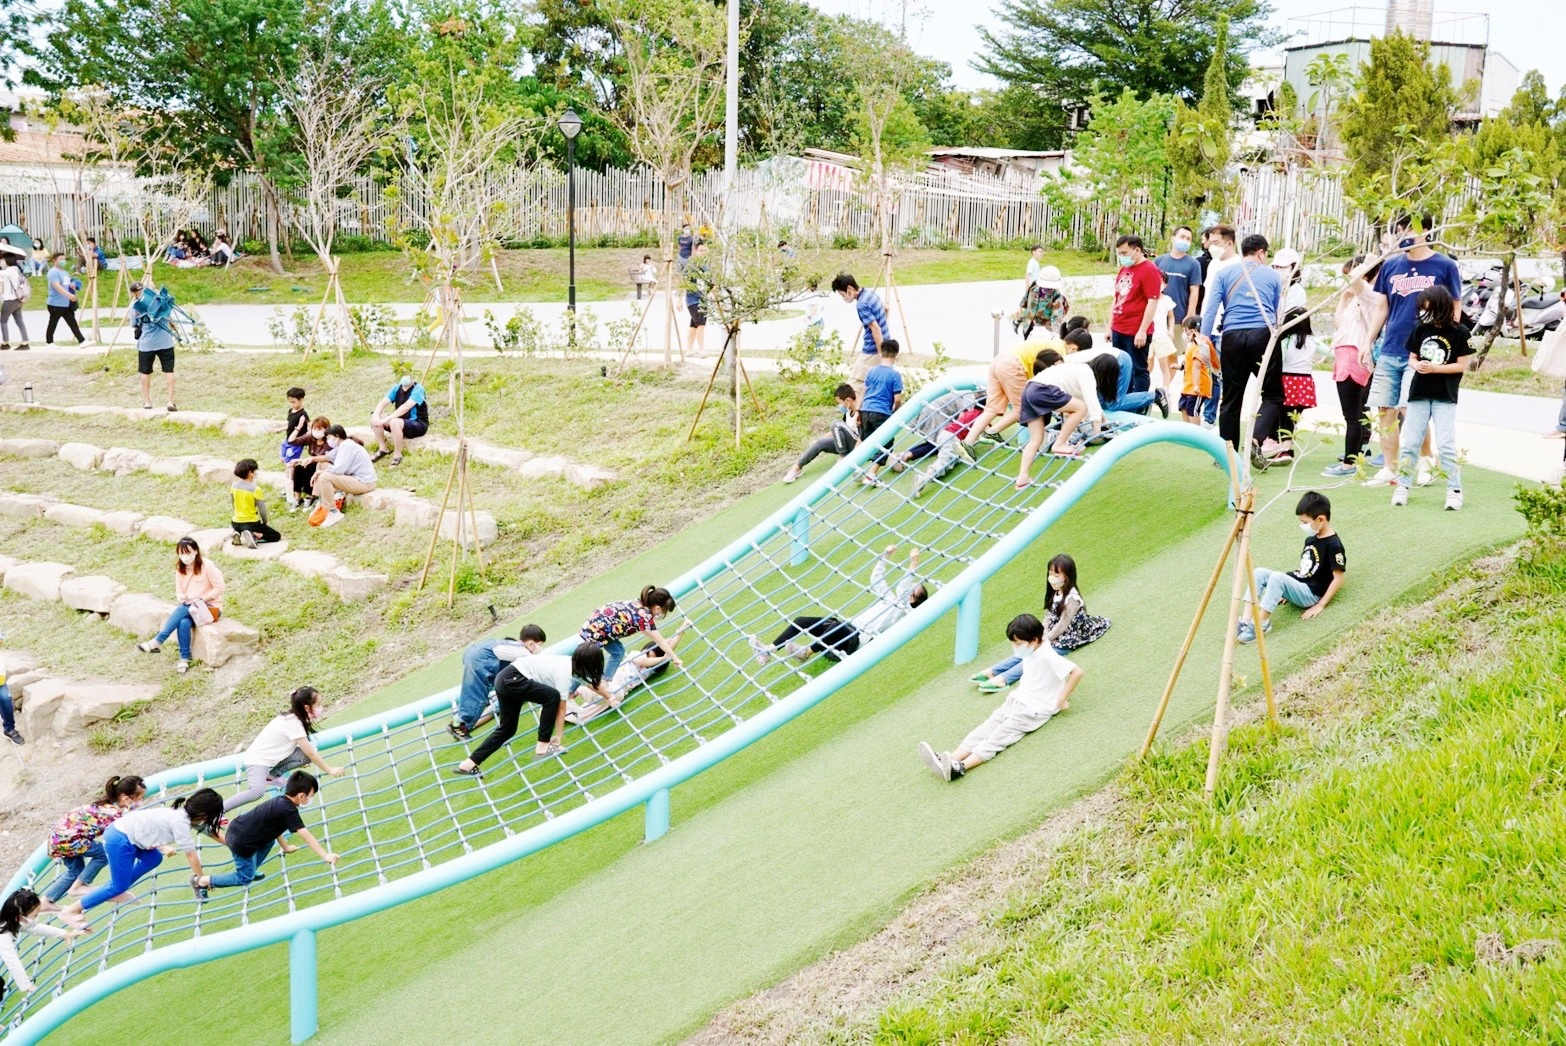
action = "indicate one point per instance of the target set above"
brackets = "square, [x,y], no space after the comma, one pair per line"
[23,285]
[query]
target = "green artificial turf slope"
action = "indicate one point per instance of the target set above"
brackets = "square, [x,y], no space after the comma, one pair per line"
[813,837]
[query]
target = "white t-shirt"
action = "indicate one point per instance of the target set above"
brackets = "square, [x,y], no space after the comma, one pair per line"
[276,741]
[11,280]
[1075,379]
[1161,315]
[157,826]
[1043,681]
[1210,287]
[1033,271]
[552,670]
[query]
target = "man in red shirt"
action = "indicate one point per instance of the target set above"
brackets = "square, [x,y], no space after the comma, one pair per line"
[1137,287]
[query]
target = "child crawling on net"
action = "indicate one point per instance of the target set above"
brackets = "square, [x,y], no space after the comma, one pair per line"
[1043,691]
[652,662]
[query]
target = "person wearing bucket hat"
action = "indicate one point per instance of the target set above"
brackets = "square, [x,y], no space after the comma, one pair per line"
[1045,303]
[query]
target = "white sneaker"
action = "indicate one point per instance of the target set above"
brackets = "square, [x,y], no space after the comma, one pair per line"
[791,475]
[761,650]
[247,539]
[1424,473]
[1399,496]
[333,518]
[1454,500]
[939,765]
[799,652]
[1384,478]
[182,667]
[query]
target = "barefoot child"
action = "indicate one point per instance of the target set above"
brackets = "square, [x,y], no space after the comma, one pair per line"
[281,746]
[76,840]
[137,843]
[613,622]
[1047,682]
[250,835]
[1311,587]
[19,915]
[249,516]
[545,680]
[1039,401]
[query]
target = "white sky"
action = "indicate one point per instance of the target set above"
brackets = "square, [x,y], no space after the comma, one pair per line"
[1522,30]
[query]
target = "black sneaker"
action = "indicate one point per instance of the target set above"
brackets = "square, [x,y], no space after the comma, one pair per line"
[1161,400]
[15,736]
[460,732]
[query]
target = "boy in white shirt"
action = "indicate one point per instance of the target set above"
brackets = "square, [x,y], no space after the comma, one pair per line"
[1047,682]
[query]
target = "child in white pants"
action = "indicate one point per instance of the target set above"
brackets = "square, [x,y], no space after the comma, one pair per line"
[1046,684]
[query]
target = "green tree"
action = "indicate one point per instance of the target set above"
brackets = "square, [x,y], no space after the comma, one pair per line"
[1120,163]
[1396,119]
[1071,48]
[1201,141]
[1331,75]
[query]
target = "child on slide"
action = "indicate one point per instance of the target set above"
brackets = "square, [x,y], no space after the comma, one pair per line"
[1322,566]
[1067,625]
[250,835]
[1046,685]
[837,638]
[613,622]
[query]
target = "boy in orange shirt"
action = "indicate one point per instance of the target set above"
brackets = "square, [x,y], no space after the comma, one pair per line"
[1201,359]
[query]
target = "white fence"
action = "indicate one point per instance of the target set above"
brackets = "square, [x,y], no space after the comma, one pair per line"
[813,200]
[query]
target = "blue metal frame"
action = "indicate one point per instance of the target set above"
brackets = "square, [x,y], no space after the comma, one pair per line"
[300,927]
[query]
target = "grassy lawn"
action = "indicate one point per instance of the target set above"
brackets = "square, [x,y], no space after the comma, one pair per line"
[1507,370]
[817,835]
[542,275]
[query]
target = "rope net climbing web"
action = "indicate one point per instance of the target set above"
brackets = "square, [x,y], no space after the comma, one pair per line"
[398,809]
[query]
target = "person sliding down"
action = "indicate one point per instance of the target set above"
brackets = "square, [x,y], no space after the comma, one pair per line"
[545,680]
[837,638]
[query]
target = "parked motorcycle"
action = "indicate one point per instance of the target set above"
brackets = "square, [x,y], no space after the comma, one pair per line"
[1539,314]
[1478,292]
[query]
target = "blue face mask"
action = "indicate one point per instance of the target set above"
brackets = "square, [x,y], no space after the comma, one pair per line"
[1182,246]
[1407,242]
[1124,259]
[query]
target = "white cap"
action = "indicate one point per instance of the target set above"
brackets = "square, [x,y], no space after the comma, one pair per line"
[1049,278]
[1286,258]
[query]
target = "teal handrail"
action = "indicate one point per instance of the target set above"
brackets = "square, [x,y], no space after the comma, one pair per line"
[301,925]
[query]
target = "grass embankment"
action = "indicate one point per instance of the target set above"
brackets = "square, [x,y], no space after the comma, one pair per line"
[552,533]
[816,836]
[1506,369]
[542,275]
[1350,878]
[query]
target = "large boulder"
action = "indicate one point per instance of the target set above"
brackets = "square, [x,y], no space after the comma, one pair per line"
[84,456]
[123,521]
[175,466]
[385,499]
[310,564]
[122,461]
[253,426]
[62,708]
[488,531]
[73,515]
[7,563]
[28,448]
[417,513]
[139,614]
[38,580]
[95,592]
[213,539]
[86,410]
[277,479]
[354,586]
[214,470]
[271,550]
[166,528]
[217,644]
[588,477]
[500,457]
[13,663]
[23,505]
[544,466]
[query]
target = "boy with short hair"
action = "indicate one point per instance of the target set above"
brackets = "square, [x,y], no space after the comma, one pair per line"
[296,429]
[872,317]
[843,438]
[250,524]
[1320,574]
[883,395]
[481,663]
[1043,691]
[250,835]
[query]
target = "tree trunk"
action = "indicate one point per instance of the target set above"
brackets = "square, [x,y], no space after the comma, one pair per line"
[271,226]
[1500,317]
[731,378]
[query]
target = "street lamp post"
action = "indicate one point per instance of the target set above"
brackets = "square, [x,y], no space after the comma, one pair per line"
[571,126]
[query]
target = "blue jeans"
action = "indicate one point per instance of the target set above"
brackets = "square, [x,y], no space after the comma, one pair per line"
[1210,411]
[1010,669]
[1141,380]
[614,653]
[1273,587]
[480,666]
[7,709]
[1444,417]
[245,866]
[127,864]
[1389,384]
[1125,399]
[83,866]
[181,622]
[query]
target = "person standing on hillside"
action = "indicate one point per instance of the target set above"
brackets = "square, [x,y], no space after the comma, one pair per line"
[1137,287]
[1221,255]
[1183,272]
[872,316]
[154,341]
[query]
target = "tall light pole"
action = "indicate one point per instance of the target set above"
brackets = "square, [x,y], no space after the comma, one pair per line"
[571,126]
[731,98]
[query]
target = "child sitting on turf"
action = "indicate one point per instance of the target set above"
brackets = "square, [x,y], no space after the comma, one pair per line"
[1312,586]
[250,523]
[883,395]
[1046,684]
[296,430]
[1201,362]
[250,835]
[843,438]
[1067,624]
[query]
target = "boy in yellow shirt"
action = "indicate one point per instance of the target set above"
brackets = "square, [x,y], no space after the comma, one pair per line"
[249,520]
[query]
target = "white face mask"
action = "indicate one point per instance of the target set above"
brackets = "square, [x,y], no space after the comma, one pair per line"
[1309,528]
[332,441]
[1057,582]
[318,434]
[187,558]
[1021,649]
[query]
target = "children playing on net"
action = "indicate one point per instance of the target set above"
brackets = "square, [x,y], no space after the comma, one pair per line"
[249,516]
[613,622]
[1201,363]
[76,840]
[837,638]
[250,835]
[841,440]
[137,843]
[637,670]
[481,663]
[546,680]
[1436,353]
[948,445]
[283,745]
[1039,401]
[19,915]
[1311,587]
[1042,692]
[883,395]
[296,431]
[1067,624]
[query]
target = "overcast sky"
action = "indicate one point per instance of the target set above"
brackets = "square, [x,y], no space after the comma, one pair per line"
[1522,30]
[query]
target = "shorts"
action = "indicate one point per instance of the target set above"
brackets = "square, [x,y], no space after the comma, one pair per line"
[698,316]
[1163,347]
[1191,404]
[1040,400]
[1007,381]
[144,359]
[414,429]
[1299,391]
[1389,384]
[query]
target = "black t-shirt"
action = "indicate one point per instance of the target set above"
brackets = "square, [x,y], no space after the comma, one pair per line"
[298,425]
[252,830]
[1319,558]
[1438,345]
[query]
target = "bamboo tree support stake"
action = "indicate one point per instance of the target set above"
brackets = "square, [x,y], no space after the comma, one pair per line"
[630,346]
[119,281]
[712,381]
[445,499]
[1261,645]
[320,314]
[1220,734]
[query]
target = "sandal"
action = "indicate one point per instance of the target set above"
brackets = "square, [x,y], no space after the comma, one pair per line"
[475,772]
[554,748]
[378,455]
[394,462]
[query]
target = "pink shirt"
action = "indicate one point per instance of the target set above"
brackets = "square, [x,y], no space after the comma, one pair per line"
[206,586]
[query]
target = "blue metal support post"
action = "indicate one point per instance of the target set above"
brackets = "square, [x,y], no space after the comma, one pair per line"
[303,1012]
[968,626]
[657,816]
[800,529]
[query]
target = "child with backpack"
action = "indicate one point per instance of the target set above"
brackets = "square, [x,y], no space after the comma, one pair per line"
[843,438]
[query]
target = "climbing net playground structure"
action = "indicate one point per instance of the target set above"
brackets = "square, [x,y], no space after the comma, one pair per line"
[405,826]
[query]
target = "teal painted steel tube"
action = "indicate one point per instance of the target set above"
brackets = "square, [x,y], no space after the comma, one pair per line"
[968,612]
[657,816]
[800,529]
[303,992]
[420,884]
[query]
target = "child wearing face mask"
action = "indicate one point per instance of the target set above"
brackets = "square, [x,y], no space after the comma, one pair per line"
[296,433]
[1437,352]
[1067,625]
[1043,691]
[1311,587]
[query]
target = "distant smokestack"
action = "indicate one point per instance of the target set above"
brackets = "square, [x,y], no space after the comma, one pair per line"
[1412,17]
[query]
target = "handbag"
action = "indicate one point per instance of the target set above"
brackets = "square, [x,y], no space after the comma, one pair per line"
[201,614]
[1550,358]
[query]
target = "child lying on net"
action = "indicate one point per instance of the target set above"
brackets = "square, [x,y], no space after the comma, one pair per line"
[643,668]
[837,638]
